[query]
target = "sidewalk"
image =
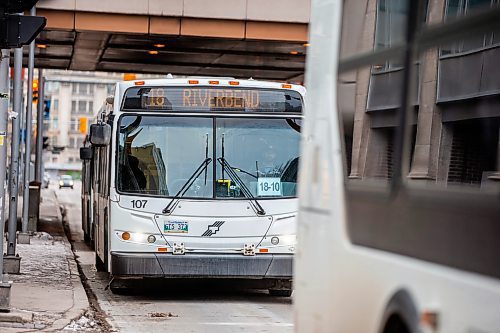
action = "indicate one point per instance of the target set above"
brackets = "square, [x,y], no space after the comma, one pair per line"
[48,294]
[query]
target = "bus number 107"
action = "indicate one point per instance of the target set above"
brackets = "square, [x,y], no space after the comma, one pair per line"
[139,203]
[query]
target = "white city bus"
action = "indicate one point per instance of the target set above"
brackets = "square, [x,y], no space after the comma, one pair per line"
[196,178]
[399,211]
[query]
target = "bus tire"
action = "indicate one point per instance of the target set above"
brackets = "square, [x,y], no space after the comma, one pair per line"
[99,264]
[400,315]
[280,292]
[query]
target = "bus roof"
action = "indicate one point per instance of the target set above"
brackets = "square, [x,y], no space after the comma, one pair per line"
[210,81]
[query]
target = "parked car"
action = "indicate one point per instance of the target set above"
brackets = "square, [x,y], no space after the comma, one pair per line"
[45,180]
[66,181]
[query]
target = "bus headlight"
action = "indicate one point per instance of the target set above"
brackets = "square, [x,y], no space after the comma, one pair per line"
[151,239]
[280,240]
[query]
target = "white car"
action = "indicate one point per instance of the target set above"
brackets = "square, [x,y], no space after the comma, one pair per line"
[66,181]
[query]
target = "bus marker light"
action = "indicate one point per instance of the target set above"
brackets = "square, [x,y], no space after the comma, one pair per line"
[126,235]
[213,82]
[162,249]
[430,319]
[275,240]
[263,250]
[234,83]
[139,83]
[286,86]
[193,81]
[151,239]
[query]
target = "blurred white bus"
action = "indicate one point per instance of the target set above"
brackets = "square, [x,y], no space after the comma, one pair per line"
[399,217]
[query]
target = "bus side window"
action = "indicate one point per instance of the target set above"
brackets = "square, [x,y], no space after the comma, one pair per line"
[452,133]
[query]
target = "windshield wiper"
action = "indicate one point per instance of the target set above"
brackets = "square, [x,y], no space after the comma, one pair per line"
[246,191]
[173,203]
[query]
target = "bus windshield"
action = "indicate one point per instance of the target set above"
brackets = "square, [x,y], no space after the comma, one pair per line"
[157,155]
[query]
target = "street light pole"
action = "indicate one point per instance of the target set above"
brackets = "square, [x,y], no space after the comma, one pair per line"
[24,236]
[5,286]
[11,258]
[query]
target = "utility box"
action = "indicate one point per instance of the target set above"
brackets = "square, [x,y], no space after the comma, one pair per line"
[34,206]
[5,296]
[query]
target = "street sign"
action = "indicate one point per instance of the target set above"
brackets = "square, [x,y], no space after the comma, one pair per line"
[18,30]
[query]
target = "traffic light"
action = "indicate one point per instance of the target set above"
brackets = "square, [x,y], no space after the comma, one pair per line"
[83,125]
[45,144]
[35,90]
[18,30]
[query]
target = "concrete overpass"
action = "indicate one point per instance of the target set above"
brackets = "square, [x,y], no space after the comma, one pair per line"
[242,38]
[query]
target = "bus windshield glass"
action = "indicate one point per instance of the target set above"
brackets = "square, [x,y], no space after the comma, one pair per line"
[158,154]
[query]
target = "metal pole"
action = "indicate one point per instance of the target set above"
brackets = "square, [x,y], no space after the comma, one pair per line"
[27,135]
[20,115]
[4,109]
[14,152]
[5,285]
[39,128]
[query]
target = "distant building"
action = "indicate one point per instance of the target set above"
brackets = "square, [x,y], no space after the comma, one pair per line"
[72,96]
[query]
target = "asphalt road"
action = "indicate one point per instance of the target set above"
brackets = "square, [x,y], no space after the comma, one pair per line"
[176,307]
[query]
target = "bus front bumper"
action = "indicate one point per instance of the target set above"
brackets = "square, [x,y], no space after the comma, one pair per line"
[269,266]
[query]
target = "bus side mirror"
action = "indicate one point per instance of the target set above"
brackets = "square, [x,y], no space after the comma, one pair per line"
[100,134]
[85,153]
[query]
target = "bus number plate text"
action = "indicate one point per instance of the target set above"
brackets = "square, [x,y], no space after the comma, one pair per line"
[269,186]
[175,227]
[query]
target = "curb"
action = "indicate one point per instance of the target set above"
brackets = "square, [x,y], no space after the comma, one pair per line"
[16,317]
[80,301]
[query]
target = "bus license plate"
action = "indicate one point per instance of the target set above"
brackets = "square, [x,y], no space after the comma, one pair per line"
[175,227]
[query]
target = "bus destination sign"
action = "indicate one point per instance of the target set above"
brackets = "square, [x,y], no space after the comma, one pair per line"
[195,99]
[213,98]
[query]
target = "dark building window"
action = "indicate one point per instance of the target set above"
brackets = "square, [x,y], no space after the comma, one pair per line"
[380,158]
[473,151]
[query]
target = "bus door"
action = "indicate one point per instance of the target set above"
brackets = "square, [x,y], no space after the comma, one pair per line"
[99,204]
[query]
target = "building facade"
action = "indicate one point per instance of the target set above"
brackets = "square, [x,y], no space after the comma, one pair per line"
[455,117]
[73,96]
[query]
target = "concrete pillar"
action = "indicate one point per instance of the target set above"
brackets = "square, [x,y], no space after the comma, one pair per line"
[361,128]
[426,158]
